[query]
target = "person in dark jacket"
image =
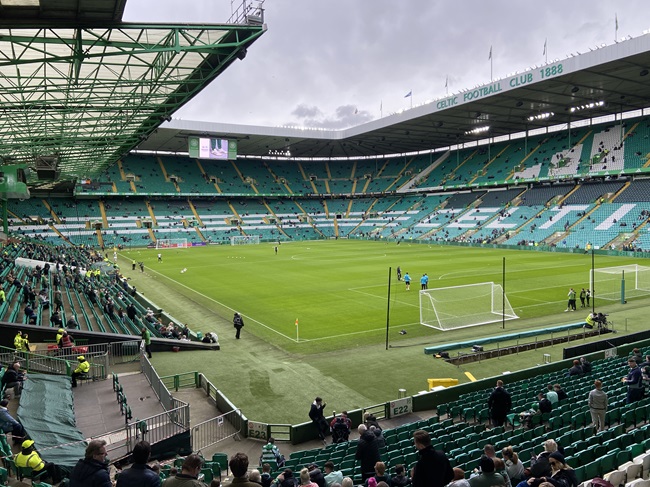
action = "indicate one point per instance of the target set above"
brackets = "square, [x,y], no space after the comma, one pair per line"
[432,468]
[318,418]
[140,474]
[92,470]
[500,404]
[562,475]
[400,479]
[316,475]
[367,452]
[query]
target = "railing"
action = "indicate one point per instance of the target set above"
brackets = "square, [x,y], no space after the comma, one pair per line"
[249,12]
[217,429]
[165,397]
[179,381]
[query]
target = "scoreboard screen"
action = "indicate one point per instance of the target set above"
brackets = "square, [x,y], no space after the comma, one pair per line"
[212,148]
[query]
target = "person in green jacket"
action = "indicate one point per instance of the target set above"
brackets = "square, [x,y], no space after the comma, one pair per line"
[146,338]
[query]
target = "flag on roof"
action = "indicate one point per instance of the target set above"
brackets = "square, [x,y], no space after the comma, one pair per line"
[410,93]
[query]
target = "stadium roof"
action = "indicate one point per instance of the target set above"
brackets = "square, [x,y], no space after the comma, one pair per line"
[569,89]
[79,88]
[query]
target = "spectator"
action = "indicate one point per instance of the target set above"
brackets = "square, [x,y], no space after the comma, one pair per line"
[332,476]
[340,427]
[586,365]
[92,470]
[576,369]
[190,470]
[401,479]
[140,474]
[561,394]
[459,479]
[634,382]
[551,395]
[432,468]
[255,476]
[72,323]
[367,452]
[514,466]
[13,378]
[271,453]
[9,424]
[380,474]
[304,479]
[488,477]
[500,468]
[500,404]
[562,475]
[379,436]
[29,457]
[315,475]
[598,406]
[285,479]
[318,418]
[265,477]
[544,405]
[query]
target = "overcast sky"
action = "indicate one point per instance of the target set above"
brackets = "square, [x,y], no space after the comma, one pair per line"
[337,63]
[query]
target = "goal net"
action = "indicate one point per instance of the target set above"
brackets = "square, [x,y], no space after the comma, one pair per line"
[449,308]
[606,282]
[171,243]
[245,240]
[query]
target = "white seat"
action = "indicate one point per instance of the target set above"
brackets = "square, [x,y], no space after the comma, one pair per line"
[616,477]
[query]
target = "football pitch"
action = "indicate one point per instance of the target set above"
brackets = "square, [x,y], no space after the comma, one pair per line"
[315,296]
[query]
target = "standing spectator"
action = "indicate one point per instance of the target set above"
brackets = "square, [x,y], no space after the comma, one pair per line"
[146,340]
[238,466]
[140,474]
[238,323]
[432,468]
[571,304]
[598,406]
[367,452]
[634,381]
[92,470]
[500,404]
[58,300]
[131,312]
[318,418]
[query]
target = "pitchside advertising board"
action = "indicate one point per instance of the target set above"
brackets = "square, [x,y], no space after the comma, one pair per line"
[212,148]
[401,406]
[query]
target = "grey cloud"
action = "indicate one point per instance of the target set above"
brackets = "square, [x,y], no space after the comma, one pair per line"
[343,116]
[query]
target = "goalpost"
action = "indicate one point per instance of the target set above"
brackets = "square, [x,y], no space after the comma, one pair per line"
[171,243]
[449,308]
[607,282]
[245,240]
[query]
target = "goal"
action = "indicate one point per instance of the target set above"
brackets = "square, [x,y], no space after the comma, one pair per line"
[606,282]
[449,308]
[245,240]
[171,243]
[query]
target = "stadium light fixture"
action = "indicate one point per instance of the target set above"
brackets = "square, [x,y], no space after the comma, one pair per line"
[587,106]
[478,130]
[540,116]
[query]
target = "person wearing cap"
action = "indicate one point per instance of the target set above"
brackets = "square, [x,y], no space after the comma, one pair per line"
[562,475]
[488,477]
[238,323]
[316,475]
[9,424]
[29,457]
[92,470]
[82,369]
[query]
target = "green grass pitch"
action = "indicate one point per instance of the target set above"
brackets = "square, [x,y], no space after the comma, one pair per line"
[338,290]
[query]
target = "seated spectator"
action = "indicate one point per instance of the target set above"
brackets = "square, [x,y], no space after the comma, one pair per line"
[92,470]
[576,369]
[488,477]
[238,466]
[332,476]
[380,474]
[586,365]
[315,475]
[551,395]
[13,378]
[340,429]
[286,479]
[265,477]
[9,424]
[305,480]
[514,466]
[500,468]
[72,323]
[561,474]
[544,405]
[55,319]
[140,474]
[29,457]
[561,394]
[255,476]
[30,315]
[458,481]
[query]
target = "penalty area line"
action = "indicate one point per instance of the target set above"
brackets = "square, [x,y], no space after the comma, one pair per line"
[228,307]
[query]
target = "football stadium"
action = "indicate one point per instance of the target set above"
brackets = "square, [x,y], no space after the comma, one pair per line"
[199,286]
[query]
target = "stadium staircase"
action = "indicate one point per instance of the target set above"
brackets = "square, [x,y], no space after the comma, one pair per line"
[55,217]
[421,176]
[151,213]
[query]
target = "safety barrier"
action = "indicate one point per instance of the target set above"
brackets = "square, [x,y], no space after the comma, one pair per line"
[217,429]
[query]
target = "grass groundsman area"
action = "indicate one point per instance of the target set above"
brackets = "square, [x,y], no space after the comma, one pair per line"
[337,291]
